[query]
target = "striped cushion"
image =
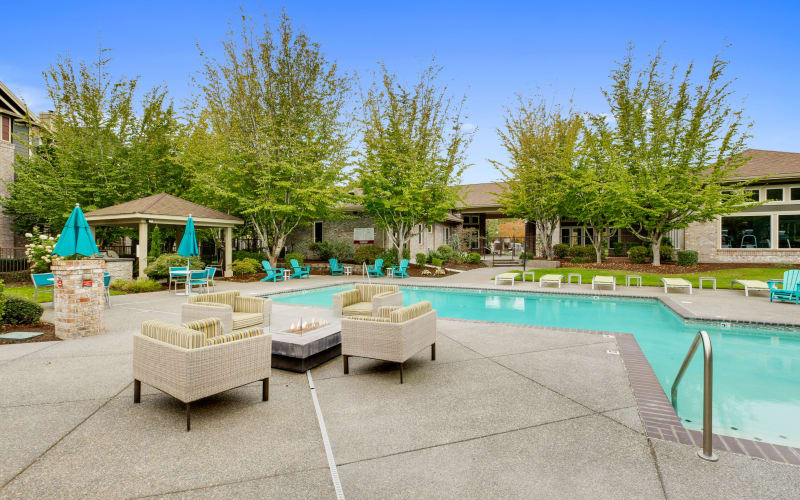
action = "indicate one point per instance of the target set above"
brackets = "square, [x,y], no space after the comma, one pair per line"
[368,290]
[227,298]
[243,320]
[230,337]
[211,327]
[370,318]
[410,312]
[358,309]
[386,311]
[249,304]
[173,334]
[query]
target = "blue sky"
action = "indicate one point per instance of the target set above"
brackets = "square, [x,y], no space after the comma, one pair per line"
[489,50]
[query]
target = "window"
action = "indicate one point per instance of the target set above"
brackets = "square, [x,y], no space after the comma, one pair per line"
[5,128]
[430,228]
[746,232]
[565,235]
[789,231]
[419,235]
[754,193]
[775,194]
[317,232]
[795,195]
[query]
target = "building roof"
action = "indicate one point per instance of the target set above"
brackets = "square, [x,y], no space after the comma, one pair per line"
[769,164]
[11,104]
[480,195]
[159,206]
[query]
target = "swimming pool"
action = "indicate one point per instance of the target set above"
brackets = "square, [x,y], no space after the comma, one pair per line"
[756,371]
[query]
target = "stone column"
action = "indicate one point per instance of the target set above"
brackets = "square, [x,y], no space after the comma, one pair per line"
[142,248]
[228,251]
[78,297]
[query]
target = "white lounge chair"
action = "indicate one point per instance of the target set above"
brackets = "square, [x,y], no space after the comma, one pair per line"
[505,277]
[550,279]
[676,283]
[754,285]
[604,281]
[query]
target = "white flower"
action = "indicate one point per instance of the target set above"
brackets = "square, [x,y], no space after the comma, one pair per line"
[52,238]
[28,235]
[39,246]
[42,236]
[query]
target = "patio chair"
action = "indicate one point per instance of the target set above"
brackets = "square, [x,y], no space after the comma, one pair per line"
[234,311]
[198,278]
[212,270]
[751,285]
[274,274]
[395,334]
[42,282]
[374,271]
[676,283]
[400,271]
[366,299]
[604,281]
[177,279]
[789,291]
[336,268]
[551,279]
[505,277]
[300,272]
[196,360]
[107,288]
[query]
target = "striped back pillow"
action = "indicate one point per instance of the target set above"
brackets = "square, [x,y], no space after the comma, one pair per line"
[173,334]
[410,312]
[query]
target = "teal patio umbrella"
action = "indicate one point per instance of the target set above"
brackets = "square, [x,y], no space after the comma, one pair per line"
[76,237]
[188,247]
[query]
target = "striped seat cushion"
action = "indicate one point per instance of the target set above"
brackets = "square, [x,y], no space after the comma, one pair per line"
[358,309]
[410,312]
[230,337]
[243,320]
[173,334]
[227,298]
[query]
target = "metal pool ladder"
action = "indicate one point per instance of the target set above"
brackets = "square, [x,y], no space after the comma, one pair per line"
[707,452]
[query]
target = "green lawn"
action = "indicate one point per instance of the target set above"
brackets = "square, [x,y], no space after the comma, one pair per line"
[724,276]
[27,292]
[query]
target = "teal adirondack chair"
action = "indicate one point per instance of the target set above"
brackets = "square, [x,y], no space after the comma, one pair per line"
[42,282]
[400,271]
[273,274]
[300,272]
[374,271]
[336,268]
[790,292]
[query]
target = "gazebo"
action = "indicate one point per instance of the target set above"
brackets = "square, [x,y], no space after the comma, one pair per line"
[164,210]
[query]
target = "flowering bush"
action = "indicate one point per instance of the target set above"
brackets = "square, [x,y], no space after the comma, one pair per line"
[39,250]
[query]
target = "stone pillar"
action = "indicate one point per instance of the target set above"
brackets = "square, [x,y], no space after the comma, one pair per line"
[142,249]
[228,251]
[78,297]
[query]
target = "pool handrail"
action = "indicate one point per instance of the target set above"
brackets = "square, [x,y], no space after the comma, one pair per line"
[707,452]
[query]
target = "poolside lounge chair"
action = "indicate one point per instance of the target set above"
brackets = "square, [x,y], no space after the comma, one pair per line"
[604,281]
[754,285]
[42,282]
[393,334]
[374,271]
[790,291]
[506,277]
[300,272]
[234,311]
[366,299]
[336,268]
[676,283]
[273,273]
[551,279]
[401,270]
[197,359]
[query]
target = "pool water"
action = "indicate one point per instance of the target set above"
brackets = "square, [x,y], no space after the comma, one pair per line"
[756,371]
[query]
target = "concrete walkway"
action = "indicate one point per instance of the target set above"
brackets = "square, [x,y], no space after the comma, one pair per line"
[504,412]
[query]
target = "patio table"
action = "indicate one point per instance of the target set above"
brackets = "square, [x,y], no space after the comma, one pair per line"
[187,289]
[287,274]
[708,278]
[633,277]
[574,275]
[348,270]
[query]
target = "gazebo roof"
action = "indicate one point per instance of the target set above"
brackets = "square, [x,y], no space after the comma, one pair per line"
[160,208]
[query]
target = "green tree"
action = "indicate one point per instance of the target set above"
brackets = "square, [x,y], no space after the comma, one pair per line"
[679,142]
[542,142]
[272,132]
[97,148]
[413,154]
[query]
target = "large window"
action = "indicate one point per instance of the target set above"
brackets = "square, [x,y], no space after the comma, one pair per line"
[789,231]
[317,232]
[5,128]
[746,232]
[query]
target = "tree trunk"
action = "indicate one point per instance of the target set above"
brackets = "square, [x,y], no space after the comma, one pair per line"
[657,248]
[545,233]
[400,252]
[274,251]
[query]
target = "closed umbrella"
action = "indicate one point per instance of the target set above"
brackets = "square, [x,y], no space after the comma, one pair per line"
[76,238]
[188,248]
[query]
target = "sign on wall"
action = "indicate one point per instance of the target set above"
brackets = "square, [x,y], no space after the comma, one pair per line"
[363,235]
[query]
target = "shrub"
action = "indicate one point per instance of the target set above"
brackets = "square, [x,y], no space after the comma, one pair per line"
[248,254]
[474,258]
[445,252]
[439,272]
[576,251]
[432,254]
[426,272]
[687,258]
[246,266]
[617,248]
[16,277]
[639,254]
[389,257]
[159,269]
[560,250]
[322,249]
[293,255]
[366,253]
[342,251]
[588,253]
[667,252]
[406,253]
[421,259]
[140,285]
[39,250]
[579,260]
[2,302]
[437,262]
[21,311]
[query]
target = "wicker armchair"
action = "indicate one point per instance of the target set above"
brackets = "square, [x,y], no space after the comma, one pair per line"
[395,334]
[366,299]
[235,312]
[198,359]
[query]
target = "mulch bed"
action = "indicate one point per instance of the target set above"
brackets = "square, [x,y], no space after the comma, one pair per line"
[413,271]
[623,264]
[48,329]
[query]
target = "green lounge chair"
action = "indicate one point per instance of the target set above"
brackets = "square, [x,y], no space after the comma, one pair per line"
[790,291]
[42,282]
[505,277]
[676,283]
[374,271]
[300,272]
[551,279]
[273,274]
[336,268]
[400,271]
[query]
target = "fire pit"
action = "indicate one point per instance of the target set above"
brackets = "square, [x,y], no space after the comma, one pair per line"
[302,327]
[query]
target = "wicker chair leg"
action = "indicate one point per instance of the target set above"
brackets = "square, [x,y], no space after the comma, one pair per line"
[433,351]
[346,358]
[137,391]
[265,389]
[401,373]
[188,417]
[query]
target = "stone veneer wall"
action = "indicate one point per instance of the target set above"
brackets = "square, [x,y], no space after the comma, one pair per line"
[704,237]
[78,309]
[340,230]
[120,269]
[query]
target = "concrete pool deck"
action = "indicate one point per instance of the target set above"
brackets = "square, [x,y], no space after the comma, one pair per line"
[504,411]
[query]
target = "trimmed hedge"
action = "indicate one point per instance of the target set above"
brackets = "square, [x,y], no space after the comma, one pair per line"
[421,259]
[366,253]
[21,311]
[159,269]
[560,250]
[293,255]
[687,258]
[245,254]
[136,286]
[667,252]
[246,266]
[639,254]
[474,258]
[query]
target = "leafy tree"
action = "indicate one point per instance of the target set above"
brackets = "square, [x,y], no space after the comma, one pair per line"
[542,143]
[97,148]
[270,132]
[413,154]
[679,143]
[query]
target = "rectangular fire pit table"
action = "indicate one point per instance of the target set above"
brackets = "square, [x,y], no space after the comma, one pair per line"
[301,352]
